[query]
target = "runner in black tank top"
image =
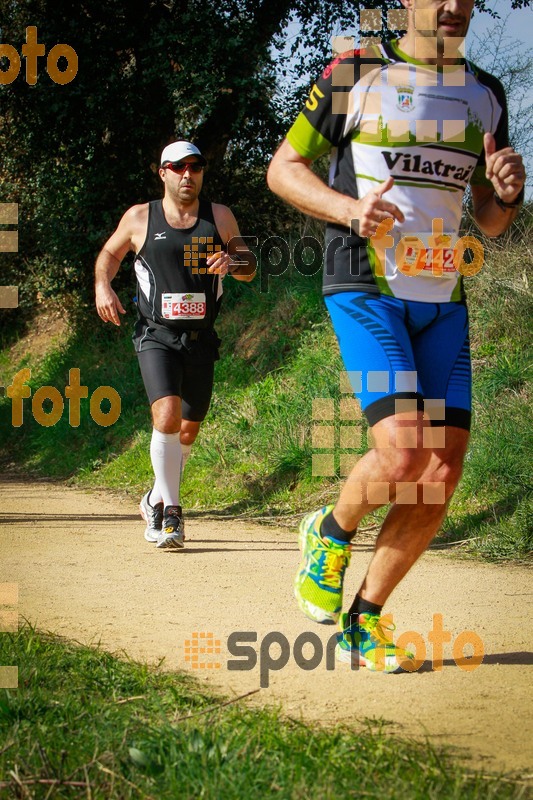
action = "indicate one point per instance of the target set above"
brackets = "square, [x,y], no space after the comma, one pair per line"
[171,266]
[184,246]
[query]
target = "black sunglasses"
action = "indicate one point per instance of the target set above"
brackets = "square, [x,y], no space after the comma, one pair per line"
[179,167]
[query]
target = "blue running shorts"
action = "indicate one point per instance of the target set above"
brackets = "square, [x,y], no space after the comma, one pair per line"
[404,349]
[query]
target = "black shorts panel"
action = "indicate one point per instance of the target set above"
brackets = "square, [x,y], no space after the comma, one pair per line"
[455,418]
[167,372]
[386,407]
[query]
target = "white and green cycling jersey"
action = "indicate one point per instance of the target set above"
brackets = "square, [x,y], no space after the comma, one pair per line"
[380,114]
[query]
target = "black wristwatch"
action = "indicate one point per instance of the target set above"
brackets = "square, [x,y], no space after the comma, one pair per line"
[517,202]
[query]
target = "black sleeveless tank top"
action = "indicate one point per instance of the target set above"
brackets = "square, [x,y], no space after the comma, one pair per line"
[174,289]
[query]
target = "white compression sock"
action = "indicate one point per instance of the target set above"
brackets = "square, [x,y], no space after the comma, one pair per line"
[165,452]
[155,494]
[185,453]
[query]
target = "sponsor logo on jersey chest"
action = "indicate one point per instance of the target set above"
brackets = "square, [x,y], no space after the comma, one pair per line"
[413,164]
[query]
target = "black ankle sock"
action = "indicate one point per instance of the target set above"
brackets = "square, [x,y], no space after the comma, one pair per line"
[330,527]
[361,606]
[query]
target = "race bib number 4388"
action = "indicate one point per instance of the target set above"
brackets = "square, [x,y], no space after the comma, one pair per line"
[183,306]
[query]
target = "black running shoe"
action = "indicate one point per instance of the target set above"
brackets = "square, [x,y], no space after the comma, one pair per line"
[172,535]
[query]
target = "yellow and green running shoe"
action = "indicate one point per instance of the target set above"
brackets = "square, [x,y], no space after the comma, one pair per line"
[369,644]
[318,582]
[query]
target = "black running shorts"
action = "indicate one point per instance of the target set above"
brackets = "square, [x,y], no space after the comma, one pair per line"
[166,371]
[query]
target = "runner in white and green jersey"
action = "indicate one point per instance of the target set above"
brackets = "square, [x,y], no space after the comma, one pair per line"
[428,138]
[408,125]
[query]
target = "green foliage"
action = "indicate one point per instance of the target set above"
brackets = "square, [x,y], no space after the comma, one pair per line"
[140,732]
[77,156]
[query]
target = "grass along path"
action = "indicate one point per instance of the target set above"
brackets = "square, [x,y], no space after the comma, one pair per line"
[86,724]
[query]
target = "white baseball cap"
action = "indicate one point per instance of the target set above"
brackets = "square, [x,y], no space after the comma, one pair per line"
[178,150]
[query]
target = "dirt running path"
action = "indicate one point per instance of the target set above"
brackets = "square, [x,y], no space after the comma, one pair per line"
[85,571]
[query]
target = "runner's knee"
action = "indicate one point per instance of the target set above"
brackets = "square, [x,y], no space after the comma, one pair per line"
[448,472]
[166,414]
[167,425]
[403,464]
[400,446]
[188,435]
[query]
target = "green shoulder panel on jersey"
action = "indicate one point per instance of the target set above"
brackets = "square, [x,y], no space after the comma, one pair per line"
[319,128]
[373,53]
[307,141]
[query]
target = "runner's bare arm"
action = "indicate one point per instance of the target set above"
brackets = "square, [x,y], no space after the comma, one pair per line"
[506,172]
[128,236]
[238,260]
[291,177]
